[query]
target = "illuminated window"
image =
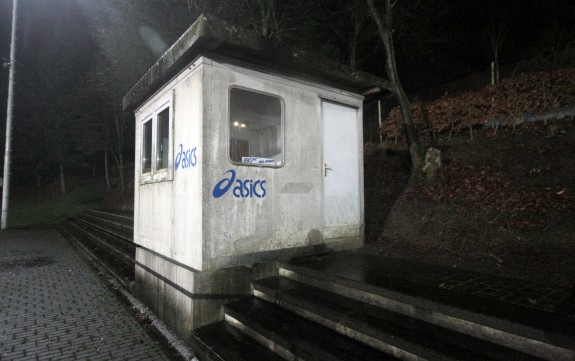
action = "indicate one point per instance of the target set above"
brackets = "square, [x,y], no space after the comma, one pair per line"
[256,130]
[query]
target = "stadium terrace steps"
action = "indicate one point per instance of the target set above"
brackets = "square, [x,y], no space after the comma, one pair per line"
[311,312]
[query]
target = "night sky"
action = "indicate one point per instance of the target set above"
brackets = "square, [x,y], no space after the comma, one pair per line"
[461,45]
[444,40]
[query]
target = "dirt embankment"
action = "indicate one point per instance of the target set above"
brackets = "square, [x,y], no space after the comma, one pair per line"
[503,203]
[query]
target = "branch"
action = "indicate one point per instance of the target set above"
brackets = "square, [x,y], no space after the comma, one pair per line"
[376,18]
[499,260]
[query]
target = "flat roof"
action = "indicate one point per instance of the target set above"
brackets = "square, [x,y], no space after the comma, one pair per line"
[213,37]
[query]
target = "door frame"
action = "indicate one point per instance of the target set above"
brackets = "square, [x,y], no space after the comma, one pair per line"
[360,180]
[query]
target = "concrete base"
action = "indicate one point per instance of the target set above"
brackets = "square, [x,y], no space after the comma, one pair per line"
[186,299]
[285,254]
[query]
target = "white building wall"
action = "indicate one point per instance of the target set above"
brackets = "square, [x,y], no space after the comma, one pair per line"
[189,148]
[167,206]
[178,217]
[290,215]
[193,243]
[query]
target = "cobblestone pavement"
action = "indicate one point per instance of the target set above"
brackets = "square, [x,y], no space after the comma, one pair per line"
[53,305]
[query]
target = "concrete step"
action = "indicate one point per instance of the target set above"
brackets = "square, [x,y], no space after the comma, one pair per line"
[365,287]
[293,337]
[223,342]
[117,245]
[120,263]
[393,333]
[116,213]
[120,225]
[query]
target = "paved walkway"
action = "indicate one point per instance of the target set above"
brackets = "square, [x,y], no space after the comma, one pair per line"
[53,306]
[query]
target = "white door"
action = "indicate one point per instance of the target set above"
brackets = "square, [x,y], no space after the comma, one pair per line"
[341,196]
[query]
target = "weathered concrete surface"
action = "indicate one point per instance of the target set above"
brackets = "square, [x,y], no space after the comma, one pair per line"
[186,299]
[535,319]
[178,216]
[195,225]
[243,230]
[54,306]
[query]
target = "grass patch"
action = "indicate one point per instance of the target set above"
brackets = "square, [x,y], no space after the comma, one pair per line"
[46,210]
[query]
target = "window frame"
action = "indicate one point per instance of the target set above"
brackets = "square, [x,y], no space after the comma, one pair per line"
[282,128]
[159,142]
[155,174]
[146,149]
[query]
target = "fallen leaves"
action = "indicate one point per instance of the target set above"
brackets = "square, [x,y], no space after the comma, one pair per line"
[485,189]
[525,98]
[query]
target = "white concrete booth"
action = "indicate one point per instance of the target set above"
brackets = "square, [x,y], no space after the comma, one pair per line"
[243,156]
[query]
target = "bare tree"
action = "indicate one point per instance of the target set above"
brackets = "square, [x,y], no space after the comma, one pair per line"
[385,29]
[346,25]
[497,33]
[270,18]
[121,57]
[358,15]
[57,55]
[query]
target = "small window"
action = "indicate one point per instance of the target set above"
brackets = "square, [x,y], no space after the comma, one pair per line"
[147,147]
[163,139]
[255,128]
[156,148]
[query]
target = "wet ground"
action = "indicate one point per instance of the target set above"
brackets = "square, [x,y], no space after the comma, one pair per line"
[545,307]
[54,306]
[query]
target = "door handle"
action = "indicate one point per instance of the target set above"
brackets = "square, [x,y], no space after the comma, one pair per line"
[325,169]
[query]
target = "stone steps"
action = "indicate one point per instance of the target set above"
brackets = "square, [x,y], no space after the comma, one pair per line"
[391,332]
[120,225]
[106,236]
[525,339]
[312,312]
[294,337]
[306,314]
[224,342]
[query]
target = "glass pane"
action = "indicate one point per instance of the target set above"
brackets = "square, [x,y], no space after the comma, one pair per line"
[163,141]
[147,147]
[255,128]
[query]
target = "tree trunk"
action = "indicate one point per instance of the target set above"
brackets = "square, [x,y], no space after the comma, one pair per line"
[267,7]
[63,186]
[385,30]
[119,157]
[496,66]
[107,168]
[353,56]
[359,15]
[122,168]
[120,164]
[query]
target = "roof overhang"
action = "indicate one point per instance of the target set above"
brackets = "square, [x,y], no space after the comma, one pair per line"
[212,37]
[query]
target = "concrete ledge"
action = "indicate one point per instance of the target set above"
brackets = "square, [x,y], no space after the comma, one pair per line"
[520,337]
[224,342]
[282,351]
[294,337]
[384,342]
[124,288]
[125,282]
[186,299]
[330,246]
